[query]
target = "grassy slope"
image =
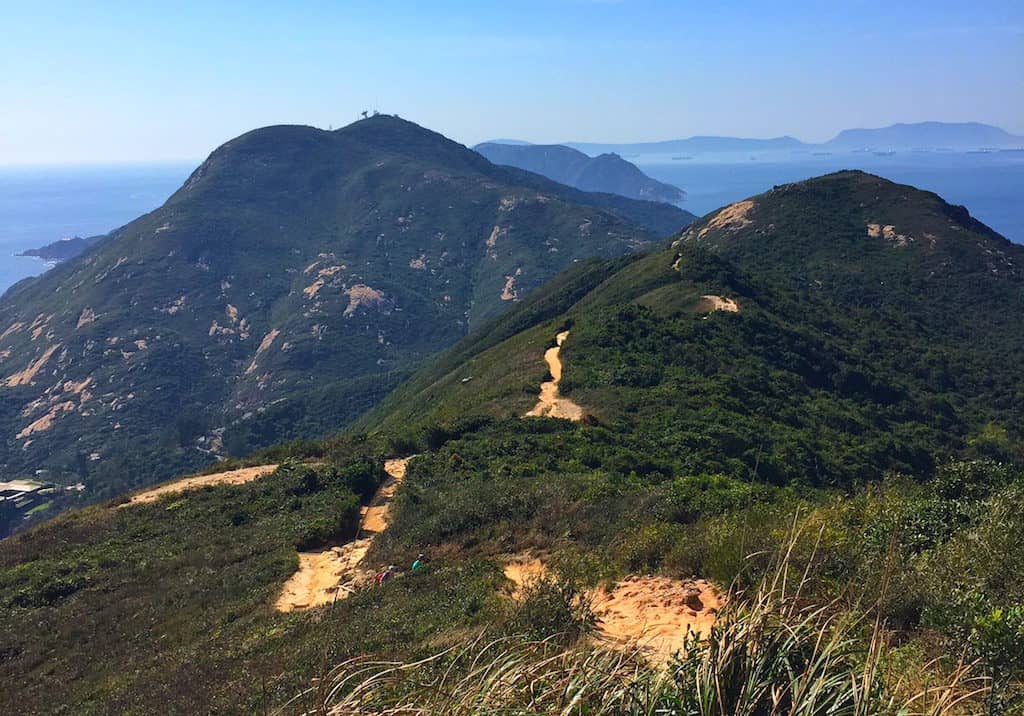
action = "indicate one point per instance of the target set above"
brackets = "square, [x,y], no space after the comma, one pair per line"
[713,436]
[166,315]
[181,590]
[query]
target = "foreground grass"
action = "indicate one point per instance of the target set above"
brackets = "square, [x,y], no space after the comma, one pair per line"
[770,653]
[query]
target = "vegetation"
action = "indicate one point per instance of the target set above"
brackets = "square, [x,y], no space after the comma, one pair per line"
[844,451]
[769,653]
[296,278]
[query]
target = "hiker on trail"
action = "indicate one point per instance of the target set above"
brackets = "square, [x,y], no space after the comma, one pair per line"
[420,561]
[386,575]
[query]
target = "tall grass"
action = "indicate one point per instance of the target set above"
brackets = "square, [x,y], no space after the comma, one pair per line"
[770,653]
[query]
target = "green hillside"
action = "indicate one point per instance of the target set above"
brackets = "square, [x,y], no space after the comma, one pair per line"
[810,396]
[295,278]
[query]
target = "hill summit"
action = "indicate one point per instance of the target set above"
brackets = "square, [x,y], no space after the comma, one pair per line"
[822,332]
[606,172]
[295,277]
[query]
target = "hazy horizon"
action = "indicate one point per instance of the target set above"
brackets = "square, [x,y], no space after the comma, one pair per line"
[101,84]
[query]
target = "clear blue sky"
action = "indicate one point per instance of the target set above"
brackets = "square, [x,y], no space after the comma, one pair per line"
[139,80]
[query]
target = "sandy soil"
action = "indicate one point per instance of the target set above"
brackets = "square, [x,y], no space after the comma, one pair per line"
[44,423]
[231,477]
[523,570]
[732,217]
[707,304]
[324,576]
[657,612]
[550,403]
[362,295]
[13,328]
[26,376]
[375,515]
[327,575]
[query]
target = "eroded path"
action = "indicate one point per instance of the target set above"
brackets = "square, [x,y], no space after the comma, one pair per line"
[550,403]
[657,613]
[230,477]
[653,612]
[327,575]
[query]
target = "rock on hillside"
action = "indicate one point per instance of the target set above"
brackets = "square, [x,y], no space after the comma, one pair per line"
[293,279]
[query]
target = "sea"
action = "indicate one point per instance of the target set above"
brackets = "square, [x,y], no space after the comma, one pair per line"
[43,204]
[39,205]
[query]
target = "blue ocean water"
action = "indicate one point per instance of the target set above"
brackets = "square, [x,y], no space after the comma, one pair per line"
[39,205]
[990,185]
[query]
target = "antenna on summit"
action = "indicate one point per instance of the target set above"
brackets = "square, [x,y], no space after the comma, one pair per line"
[364,113]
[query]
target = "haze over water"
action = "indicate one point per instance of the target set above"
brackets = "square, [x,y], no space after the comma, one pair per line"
[39,205]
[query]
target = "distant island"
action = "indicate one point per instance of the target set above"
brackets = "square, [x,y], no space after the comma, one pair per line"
[936,136]
[63,249]
[607,172]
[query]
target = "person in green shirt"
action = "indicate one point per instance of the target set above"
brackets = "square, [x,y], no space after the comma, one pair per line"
[420,561]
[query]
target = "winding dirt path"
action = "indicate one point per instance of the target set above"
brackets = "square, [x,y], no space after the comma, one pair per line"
[550,403]
[327,575]
[230,477]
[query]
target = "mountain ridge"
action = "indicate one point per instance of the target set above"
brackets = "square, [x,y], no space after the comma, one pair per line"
[292,280]
[606,172]
[912,135]
[824,373]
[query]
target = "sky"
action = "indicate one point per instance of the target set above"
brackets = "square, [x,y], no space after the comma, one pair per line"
[139,81]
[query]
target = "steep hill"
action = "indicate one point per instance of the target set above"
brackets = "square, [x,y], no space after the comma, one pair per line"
[791,375]
[876,329]
[605,173]
[295,277]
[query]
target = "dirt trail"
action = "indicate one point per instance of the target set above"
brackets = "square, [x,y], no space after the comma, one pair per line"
[523,570]
[231,477]
[327,575]
[656,613]
[550,403]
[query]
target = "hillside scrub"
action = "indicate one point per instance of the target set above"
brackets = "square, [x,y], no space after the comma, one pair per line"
[770,652]
[906,548]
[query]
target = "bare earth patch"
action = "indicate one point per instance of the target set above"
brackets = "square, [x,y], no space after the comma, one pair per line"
[732,217]
[25,377]
[330,574]
[707,304]
[550,404]
[267,341]
[13,328]
[509,292]
[523,570]
[325,575]
[88,316]
[231,477]
[657,613]
[653,612]
[362,295]
[41,425]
